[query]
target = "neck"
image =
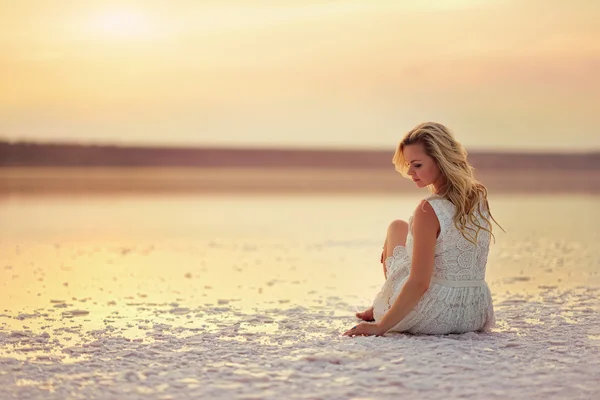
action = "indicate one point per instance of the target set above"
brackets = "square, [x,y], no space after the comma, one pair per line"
[439,186]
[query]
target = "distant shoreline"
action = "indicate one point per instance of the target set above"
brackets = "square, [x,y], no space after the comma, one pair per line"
[65,169]
[36,181]
[23,154]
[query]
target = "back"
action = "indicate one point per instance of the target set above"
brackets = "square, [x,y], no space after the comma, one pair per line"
[456,258]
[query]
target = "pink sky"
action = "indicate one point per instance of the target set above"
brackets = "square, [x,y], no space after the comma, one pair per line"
[504,75]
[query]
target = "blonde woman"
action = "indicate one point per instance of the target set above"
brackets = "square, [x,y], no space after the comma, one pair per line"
[435,263]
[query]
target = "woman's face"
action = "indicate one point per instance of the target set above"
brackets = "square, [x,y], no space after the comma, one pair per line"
[421,168]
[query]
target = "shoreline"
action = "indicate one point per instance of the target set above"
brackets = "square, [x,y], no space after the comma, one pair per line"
[33,181]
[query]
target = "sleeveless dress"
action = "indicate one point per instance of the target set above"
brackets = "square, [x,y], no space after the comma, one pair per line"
[458,299]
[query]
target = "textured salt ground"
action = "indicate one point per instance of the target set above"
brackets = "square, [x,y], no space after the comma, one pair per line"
[541,349]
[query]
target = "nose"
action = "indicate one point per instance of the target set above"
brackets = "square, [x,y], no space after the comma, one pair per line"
[410,171]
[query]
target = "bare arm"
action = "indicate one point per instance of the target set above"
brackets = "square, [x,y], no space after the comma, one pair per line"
[425,228]
[383,258]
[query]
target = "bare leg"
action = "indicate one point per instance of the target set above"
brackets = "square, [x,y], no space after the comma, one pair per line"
[396,236]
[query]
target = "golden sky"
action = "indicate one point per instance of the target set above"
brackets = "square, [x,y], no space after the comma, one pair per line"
[503,74]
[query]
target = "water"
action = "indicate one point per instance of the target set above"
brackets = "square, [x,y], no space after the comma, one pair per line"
[245,296]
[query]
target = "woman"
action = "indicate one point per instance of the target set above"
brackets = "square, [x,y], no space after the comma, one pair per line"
[434,265]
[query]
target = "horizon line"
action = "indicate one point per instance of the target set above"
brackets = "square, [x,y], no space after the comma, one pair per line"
[181,146]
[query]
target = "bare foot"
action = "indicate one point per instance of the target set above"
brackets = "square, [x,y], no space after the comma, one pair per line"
[366,315]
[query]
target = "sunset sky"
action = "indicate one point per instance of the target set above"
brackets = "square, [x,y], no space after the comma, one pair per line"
[503,74]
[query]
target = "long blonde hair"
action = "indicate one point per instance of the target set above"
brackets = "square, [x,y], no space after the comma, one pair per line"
[461,188]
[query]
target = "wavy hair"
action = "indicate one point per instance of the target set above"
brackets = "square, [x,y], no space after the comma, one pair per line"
[461,188]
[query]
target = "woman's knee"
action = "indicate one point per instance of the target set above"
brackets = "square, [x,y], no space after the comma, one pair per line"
[397,232]
[398,226]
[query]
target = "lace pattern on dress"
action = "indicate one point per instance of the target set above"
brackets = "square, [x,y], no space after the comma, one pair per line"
[456,258]
[398,258]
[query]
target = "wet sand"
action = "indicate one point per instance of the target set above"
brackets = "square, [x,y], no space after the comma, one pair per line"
[222,296]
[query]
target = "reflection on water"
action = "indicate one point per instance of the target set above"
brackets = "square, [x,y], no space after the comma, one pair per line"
[547,233]
[253,249]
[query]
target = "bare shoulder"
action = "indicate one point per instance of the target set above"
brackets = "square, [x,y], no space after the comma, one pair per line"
[424,209]
[425,216]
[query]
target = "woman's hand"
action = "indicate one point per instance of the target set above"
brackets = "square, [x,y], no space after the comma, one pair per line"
[364,329]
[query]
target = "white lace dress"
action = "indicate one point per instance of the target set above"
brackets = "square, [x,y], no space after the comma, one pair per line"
[458,299]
